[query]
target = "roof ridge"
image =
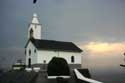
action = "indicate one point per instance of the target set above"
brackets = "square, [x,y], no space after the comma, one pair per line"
[52,40]
[55,45]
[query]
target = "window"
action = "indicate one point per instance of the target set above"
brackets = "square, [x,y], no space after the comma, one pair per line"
[29,52]
[44,64]
[31,33]
[35,51]
[44,61]
[72,59]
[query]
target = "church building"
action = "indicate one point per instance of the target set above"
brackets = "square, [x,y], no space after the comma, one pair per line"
[41,51]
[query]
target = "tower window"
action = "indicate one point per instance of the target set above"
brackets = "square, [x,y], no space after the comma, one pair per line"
[72,59]
[31,33]
[29,52]
[35,51]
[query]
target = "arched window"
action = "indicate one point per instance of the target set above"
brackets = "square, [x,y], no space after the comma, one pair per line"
[72,59]
[31,33]
[29,52]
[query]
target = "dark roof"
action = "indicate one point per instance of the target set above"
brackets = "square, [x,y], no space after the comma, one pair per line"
[55,45]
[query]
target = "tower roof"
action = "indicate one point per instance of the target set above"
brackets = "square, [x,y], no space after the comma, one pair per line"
[35,19]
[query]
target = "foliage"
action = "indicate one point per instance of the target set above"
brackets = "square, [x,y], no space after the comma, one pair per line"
[58,66]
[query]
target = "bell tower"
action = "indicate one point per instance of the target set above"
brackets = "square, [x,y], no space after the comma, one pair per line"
[34,30]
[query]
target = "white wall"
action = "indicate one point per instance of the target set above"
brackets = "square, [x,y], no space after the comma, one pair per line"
[47,55]
[36,30]
[33,55]
[67,56]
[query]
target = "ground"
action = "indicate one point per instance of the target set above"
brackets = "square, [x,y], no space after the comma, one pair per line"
[31,77]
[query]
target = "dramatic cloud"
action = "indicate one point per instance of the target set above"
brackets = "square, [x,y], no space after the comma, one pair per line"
[104,48]
[103,55]
[66,20]
[78,21]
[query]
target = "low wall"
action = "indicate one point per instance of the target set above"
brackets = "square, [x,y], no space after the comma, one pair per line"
[44,66]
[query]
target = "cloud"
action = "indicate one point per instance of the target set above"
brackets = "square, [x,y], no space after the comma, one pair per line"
[103,55]
[104,48]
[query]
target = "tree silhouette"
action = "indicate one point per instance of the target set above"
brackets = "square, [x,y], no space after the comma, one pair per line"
[58,66]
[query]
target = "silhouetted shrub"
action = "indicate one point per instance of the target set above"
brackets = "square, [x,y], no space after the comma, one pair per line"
[58,66]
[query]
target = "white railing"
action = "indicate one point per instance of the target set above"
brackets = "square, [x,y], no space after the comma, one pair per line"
[54,77]
[81,77]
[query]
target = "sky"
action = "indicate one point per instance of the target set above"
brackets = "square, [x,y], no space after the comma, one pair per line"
[96,26]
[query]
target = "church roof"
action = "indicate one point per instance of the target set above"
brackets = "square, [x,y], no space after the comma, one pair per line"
[55,45]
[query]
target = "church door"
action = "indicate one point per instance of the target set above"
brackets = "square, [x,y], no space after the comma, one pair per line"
[29,62]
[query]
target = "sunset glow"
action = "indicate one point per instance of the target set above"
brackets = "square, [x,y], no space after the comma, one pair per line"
[99,47]
[104,47]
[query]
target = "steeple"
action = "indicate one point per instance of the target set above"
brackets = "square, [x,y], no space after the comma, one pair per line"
[34,30]
[35,19]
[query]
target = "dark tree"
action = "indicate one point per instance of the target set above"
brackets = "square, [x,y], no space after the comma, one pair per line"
[58,66]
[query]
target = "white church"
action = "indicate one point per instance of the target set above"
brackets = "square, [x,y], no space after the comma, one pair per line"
[41,51]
